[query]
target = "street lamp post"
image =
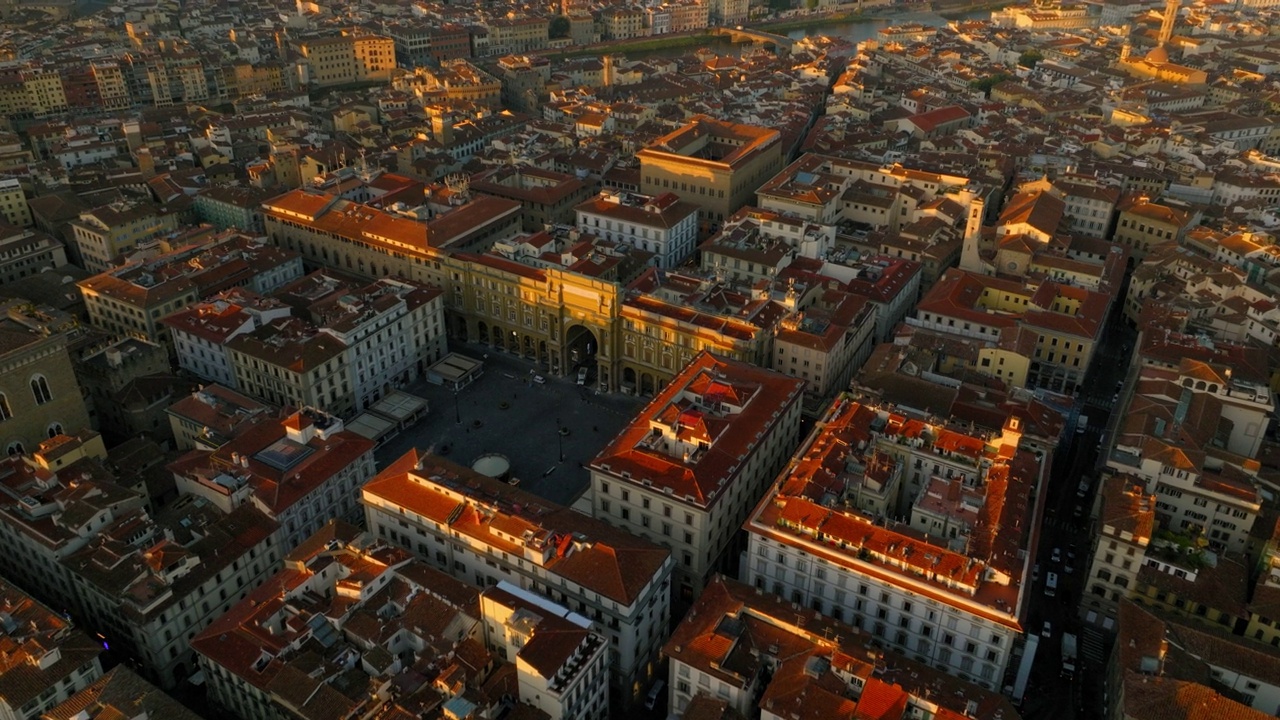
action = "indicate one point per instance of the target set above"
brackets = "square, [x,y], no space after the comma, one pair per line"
[559,440]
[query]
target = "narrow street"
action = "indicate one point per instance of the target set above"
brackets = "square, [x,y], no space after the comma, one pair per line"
[1068,530]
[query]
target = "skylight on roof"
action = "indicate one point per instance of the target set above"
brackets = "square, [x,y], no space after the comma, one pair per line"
[283,454]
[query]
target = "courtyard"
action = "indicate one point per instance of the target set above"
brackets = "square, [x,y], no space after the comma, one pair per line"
[547,430]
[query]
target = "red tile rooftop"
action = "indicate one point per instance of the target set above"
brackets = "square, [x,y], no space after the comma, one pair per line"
[579,548]
[820,668]
[684,440]
[986,579]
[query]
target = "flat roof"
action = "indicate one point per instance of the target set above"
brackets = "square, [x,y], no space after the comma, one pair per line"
[454,367]
[399,405]
[371,425]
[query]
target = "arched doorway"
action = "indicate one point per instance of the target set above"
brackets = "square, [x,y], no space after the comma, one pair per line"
[543,358]
[482,331]
[526,350]
[646,384]
[629,380]
[495,337]
[580,348]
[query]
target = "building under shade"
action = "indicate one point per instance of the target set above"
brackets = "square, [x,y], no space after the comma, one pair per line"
[742,652]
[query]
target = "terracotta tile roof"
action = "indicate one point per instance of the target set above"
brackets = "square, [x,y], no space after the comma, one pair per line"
[1147,698]
[1166,667]
[1223,586]
[733,630]
[705,707]
[1040,210]
[683,441]
[609,561]
[291,635]
[38,632]
[1126,506]
[120,693]
[798,509]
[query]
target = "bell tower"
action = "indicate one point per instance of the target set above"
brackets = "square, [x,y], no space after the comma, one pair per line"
[1170,18]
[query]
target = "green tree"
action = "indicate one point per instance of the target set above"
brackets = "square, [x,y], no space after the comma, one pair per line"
[1029,58]
[985,84]
[559,27]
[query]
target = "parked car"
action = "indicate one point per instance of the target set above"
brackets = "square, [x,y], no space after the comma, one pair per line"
[655,695]
[539,379]
[1047,630]
[1057,555]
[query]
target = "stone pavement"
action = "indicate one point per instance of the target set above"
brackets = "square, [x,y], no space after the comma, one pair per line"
[506,412]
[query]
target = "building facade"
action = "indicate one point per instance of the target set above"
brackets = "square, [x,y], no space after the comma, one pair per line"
[484,531]
[687,469]
[149,585]
[810,667]
[300,470]
[945,588]
[39,394]
[28,252]
[348,58]
[47,660]
[100,236]
[562,664]
[715,165]
[344,599]
[664,225]
[201,331]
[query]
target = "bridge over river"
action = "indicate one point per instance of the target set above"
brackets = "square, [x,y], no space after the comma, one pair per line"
[759,37]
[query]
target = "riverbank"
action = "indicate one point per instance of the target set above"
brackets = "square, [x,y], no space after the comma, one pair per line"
[811,21]
[952,12]
[851,18]
[637,45]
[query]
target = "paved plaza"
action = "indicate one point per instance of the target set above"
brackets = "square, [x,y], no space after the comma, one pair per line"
[505,412]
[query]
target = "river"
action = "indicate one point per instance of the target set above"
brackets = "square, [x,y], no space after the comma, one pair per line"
[854,31]
[865,30]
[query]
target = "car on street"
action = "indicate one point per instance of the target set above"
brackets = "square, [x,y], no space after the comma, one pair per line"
[1057,555]
[655,695]
[582,376]
[539,379]
[1078,511]
[1047,630]
[1068,569]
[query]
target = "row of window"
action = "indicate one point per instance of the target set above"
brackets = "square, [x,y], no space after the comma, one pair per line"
[39,392]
